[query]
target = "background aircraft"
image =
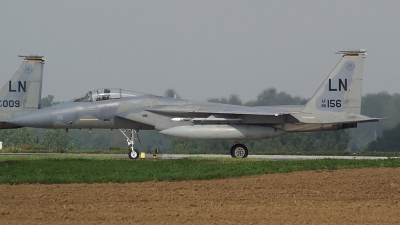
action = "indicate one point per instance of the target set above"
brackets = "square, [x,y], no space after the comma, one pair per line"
[335,105]
[22,93]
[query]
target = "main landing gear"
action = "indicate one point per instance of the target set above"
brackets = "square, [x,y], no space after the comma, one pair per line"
[133,153]
[239,151]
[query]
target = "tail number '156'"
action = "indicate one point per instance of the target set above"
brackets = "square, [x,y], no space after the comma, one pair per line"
[331,103]
[10,103]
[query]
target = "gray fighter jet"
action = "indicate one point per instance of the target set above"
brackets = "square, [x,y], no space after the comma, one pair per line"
[335,105]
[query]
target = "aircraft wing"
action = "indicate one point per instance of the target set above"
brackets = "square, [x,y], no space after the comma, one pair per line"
[229,115]
[226,110]
[207,114]
[221,113]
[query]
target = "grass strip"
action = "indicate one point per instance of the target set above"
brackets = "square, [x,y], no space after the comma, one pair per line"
[61,170]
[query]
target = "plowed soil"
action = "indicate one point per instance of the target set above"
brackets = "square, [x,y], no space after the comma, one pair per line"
[362,196]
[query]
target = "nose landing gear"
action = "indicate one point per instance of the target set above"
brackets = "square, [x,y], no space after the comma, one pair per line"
[133,153]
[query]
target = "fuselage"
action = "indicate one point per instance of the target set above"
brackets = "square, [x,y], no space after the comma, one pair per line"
[149,112]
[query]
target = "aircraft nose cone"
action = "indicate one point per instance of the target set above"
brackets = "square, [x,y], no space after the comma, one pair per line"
[40,118]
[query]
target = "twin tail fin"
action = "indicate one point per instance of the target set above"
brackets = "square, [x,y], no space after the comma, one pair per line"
[341,91]
[22,92]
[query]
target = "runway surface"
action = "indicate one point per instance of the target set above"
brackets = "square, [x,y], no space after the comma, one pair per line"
[178,156]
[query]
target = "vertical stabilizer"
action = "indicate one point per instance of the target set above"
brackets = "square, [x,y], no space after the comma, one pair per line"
[341,91]
[22,92]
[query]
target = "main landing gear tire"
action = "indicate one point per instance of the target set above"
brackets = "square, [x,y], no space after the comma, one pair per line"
[239,151]
[133,153]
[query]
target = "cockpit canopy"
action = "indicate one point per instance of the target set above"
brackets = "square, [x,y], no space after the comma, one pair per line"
[102,94]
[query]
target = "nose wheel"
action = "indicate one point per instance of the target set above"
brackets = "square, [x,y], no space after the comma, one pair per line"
[133,153]
[239,151]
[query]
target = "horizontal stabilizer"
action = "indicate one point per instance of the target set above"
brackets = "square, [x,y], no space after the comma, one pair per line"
[333,118]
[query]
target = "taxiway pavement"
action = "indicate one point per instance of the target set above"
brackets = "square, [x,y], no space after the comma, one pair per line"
[178,156]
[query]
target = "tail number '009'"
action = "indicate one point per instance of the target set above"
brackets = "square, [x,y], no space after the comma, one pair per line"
[10,103]
[331,103]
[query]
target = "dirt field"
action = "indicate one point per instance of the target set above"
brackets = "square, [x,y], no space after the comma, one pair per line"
[364,196]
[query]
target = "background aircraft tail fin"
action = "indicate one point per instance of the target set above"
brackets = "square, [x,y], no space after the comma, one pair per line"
[22,92]
[341,91]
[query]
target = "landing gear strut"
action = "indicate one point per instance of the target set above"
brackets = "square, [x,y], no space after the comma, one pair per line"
[239,151]
[133,153]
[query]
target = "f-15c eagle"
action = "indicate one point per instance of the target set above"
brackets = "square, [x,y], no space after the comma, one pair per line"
[335,105]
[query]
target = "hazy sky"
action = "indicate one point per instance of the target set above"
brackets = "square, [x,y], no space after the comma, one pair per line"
[202,49]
